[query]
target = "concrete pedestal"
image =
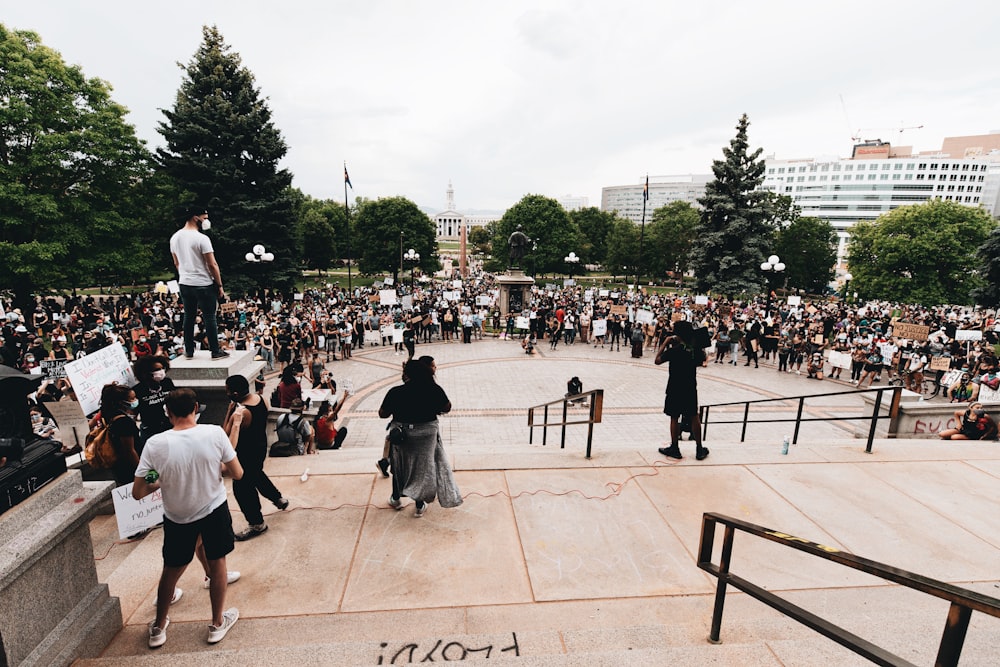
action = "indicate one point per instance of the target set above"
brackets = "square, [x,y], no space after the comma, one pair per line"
[515,289]
[207,377]
[52,608]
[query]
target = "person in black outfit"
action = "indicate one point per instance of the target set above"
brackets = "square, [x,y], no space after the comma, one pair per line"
[682,386]
[251,450]
[152,390]
[118,404]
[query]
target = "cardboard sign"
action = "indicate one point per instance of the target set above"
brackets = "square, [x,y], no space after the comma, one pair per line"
[676,317]
[389,281]
[794,300]
[818,339]
[619,309]
[298,296]
[135,516]
[644,316]
[89,375]
[599,327]
[968,334]
[521,322]
[701,300]
[387,297]
[227,308]
[407,302]
[420,318]
[911,331]
[940,363]
[386,331]
[173,287]
[840,359]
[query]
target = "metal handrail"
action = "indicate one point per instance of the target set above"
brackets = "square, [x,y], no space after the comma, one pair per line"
[594,417]
[963,601]
[874,417]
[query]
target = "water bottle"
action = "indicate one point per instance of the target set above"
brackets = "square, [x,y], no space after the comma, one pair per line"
[151,477]
[305,475]
[784,444]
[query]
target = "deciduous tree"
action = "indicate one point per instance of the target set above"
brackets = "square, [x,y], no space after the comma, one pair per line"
[70,172]
[595,227]
[387,227]
[919,254]
[546,223]
[988,255]
[669,238]
[808,248]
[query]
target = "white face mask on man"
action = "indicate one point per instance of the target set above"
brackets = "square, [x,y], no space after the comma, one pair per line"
[206,225]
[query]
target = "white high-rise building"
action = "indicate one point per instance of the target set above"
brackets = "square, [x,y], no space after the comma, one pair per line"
[626,200]
[878,178]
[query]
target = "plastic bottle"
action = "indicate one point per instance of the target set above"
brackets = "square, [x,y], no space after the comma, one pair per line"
[784,444]
[305,475]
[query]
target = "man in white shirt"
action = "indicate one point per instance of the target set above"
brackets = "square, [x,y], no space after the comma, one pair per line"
[189,461]
[200,280]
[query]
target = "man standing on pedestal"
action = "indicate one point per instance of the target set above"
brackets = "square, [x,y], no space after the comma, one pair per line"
[199,278]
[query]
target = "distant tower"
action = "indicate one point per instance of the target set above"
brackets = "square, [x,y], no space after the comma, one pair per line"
[450,205]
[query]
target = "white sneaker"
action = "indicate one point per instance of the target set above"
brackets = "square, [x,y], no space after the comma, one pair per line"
[232,576]
[158,636]
[173,600]
[229,618]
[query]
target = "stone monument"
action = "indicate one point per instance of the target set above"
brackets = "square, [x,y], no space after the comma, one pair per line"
[515,287]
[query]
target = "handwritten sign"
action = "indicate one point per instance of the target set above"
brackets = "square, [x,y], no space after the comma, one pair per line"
[643,316]
[521,322]
[89,375]
[961,334]
[701,300]
[227,308]
[54,368]
[911,331]
[600,327]
[135,516]
[940,363]
[619,309]
[840,359]
[794,300]
[387,297]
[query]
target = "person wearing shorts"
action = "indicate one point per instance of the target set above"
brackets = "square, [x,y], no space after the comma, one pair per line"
[187,460]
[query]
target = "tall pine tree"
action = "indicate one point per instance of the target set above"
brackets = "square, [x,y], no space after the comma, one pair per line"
[222,152]
[736,230]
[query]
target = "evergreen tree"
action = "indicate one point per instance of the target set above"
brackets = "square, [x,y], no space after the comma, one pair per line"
[70,208]
[988,294]
[222,152]
[736,229]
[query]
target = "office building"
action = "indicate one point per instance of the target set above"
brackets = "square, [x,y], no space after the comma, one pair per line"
[626,200]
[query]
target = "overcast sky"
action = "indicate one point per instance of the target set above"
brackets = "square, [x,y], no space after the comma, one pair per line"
[550,97]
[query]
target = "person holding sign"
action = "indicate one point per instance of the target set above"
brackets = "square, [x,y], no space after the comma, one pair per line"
[199,278]
[684,356]
[184,465]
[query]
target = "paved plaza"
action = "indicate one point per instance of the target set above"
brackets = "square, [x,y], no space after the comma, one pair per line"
[556,559]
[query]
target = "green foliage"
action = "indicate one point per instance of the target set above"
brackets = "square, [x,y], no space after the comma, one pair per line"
[321,229]
[69,164]
[988,255]
[808,248]
[222,152]
[920,253]
[736,230]
[623,248]
[480,241]
[546,223]
[669,238]
[377,243]
[595,227]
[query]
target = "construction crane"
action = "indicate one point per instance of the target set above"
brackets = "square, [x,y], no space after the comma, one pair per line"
[897,130]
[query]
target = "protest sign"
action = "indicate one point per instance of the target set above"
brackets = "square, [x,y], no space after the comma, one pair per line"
[569,282]
[701,300]
[644,316]
[968,334]
[135,516]
[89,375]
[599,327]
[389,281]
[397,336]
[173,287]
[521,322]
[794,300]
[911,331]
[298,296]
[387,297]
[226,308]
[940,363]
[53,368]
[840,359]
[619,309]
[407,302]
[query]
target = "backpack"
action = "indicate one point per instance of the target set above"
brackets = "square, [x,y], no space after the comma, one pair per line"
[99,448]
[289,439]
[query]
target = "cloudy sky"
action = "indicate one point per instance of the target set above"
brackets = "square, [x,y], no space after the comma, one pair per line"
[550,97]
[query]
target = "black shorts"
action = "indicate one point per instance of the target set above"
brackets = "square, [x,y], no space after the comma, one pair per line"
[179,539]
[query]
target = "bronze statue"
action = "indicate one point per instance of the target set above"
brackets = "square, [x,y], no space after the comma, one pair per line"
[518,244]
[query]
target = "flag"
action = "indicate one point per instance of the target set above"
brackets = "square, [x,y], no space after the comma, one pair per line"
[347,179]
[645,190]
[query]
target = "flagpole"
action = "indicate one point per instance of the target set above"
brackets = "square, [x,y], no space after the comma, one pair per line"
[642,231]
[347,217]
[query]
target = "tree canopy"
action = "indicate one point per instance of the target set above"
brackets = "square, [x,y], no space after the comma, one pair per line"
[386,228]
[669,239]
[808,248]
[988,255]
[222,152]
[919,254]
[736,229]
[71,170]
[595,226]
[321,229]
[623,248]
[546,223]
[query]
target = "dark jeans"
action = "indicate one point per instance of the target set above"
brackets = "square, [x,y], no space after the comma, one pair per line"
[206,298]
[245,491]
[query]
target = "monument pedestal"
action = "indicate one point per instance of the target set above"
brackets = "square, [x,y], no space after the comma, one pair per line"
[515,289]
[52,608]
[207,377]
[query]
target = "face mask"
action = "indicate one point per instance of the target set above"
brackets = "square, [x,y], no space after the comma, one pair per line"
[206,225]
[133,404]
[142,340]
[159,375]
[36,417]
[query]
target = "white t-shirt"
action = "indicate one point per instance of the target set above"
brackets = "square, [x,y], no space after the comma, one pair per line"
[190,247]
[189,462]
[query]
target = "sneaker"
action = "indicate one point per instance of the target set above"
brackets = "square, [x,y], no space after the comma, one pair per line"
[217,633]
[421,510]
[701,454]
[383,465]
[158,636]
[250,532]
[673,451]
[232,576]
[395,503]
[281,503]
[173,599]
[221,354]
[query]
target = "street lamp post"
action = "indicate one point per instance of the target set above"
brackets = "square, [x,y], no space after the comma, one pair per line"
[772,266]
[414,258]
[259,254]
[847,286]
[571,261]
